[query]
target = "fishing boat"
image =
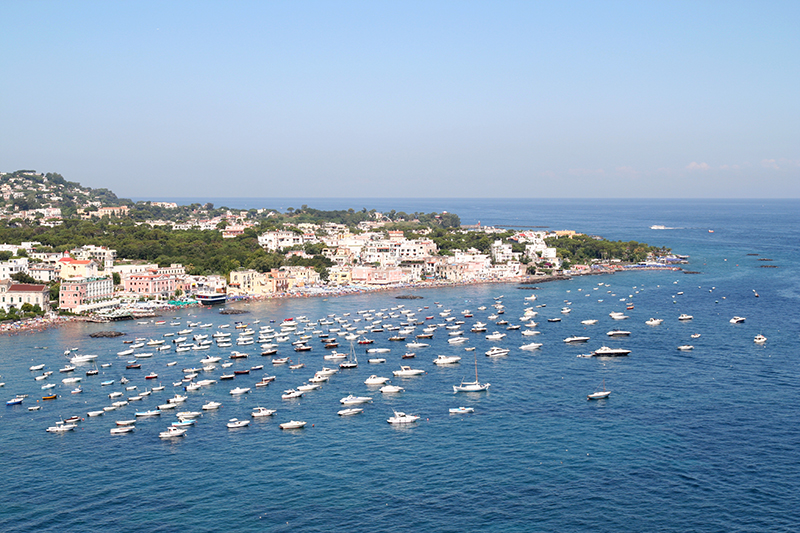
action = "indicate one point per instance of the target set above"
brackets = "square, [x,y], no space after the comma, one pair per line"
[471,386]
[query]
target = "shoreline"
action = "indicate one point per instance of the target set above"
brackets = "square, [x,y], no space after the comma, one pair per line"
[35,325]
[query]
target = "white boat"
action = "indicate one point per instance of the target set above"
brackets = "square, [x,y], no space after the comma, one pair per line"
[235,423]
[351,411]
[605,351]
[461,410]
[171,432]
[352,400]
[416,345]
[619,316]
[530,333]
[446,360]
[575,339]
[618,333]
[36,368]
[375,380]
[737,320]
[259,412]
[407,371]
[599,395]
[123,353]
[376,360]
[496,351]
[211,406]
[151,412]
[291,393]
[82,359]
[496,336]
[402,418]
[240,390]
[759,339]
[654,321]
[378,350]
[68,381]
[529,347]
[685,317]
[471,386]
[293,424]
[391,389]
[122,430]
[685,347]
[310,387]
[589,322]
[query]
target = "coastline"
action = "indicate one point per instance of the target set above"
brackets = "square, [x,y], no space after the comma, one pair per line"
[42,323]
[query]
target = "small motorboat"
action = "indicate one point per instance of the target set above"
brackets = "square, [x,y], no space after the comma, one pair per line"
[240,390]
[350,400]
[461,410]
[290,394]
[351,411]
[759,339]
[61,428]
[210,406]
[685,347]
[293,424]
[172,431]
[402,418]
[259,412]
[122,430]
[235,423]
[737,320]
[375,380]
[407,372]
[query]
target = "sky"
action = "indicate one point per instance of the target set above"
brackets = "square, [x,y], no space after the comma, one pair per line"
[409,99]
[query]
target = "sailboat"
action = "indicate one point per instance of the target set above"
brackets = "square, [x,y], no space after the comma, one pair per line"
[599,395]
[352,360]
[471,386]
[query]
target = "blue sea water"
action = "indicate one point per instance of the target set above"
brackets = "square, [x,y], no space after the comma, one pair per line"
[705,440]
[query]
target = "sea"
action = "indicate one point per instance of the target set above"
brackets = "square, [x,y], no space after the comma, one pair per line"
[705,440]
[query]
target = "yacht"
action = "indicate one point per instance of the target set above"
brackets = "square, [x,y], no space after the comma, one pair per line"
[496,336]
[350,411]
[618,333]
[575,338]
[530,346]
[760,339]
[654,321]
[291,394]
[599,395]
[497,352]
[259,412]
[737,320]
[240,390]
[210,406]
[684,316]
[351,400]
[375,380]
[390,389]
[605,351]
[402,418]
[461,410]
[407,371]
[293,424]
[446,360]
[589,322]
[685,347]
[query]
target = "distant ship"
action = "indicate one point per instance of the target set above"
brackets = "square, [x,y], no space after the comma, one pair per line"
[658,226]
[211,298]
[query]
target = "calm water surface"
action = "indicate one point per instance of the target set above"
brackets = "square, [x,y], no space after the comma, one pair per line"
[705,440]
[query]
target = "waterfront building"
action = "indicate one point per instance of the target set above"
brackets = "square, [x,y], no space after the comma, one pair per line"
[369,275]
[18,294]
[81,295]
[151,283]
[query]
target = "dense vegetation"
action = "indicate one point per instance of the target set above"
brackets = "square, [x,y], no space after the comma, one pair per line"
[583,249]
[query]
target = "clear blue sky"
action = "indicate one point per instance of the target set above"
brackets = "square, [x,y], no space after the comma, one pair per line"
[410,99]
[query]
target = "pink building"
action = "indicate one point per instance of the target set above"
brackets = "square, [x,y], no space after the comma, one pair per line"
[150,283]
[376,276]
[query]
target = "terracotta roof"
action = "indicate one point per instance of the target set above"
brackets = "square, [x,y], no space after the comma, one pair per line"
[26,287]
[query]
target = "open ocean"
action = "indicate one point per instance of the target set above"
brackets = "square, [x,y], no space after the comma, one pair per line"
[706,440]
